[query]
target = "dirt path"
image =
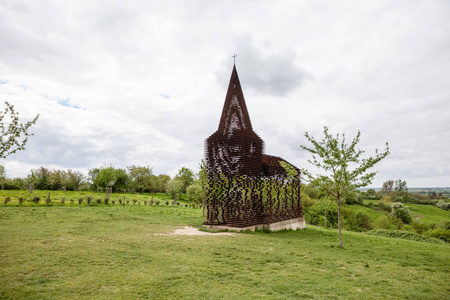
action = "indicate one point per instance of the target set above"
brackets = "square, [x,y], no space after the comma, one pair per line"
[194,231]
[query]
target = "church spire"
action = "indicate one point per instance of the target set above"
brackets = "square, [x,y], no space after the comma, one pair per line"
[234,114]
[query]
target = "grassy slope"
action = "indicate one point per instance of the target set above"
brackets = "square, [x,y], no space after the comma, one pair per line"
[428,214]
[105,252]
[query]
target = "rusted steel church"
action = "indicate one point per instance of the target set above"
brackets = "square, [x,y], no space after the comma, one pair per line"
[247,188]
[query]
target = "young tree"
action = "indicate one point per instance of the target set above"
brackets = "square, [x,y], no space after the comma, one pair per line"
[387,187]
[344,167]
[13,134]
[401,186]
[186,176]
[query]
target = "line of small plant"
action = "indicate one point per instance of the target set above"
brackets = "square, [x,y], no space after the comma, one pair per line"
[89,200]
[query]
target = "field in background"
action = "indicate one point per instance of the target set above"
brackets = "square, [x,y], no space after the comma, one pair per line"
[128,252]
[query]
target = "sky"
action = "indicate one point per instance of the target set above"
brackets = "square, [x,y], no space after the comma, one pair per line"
[143,82]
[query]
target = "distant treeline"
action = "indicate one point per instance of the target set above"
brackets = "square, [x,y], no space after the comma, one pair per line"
[131,179]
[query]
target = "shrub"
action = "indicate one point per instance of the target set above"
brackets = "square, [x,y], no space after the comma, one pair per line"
[401,212]
[440,233]
[63,200]
[7,199]
[382,206]
[419,227]
[145,202]
[353,198]
[80,200]
[315,214]
[71,201]
[167,202]
[443,205]
[128,202]
[134,201]
[356,221]
[387,222]
[99,201]
[106,200]
[21,199]
[151,202]
[36,199]
[113,201]
[444,224]
[157,202]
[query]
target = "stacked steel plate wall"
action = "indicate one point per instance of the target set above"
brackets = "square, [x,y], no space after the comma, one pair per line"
[246,187]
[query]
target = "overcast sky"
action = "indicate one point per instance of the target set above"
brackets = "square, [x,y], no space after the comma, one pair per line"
[143,82]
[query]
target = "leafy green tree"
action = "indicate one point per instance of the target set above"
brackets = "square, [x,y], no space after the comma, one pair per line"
[117,179]
[174,187]
[401,186]
[186,176]
[194,192]
[13,134]
[344,168]
[163,179]
[387,187]
[141,178]
[371,192]
[73,180]
[39,178]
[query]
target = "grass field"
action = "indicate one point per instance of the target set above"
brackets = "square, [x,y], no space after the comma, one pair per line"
[127,252]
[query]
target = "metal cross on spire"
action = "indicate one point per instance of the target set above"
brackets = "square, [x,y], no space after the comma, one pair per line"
[234,58]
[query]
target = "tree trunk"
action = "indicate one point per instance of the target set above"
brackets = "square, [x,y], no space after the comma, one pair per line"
[339,219]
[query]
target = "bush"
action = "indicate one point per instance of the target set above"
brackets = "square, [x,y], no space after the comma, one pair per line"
[80,200]
[134,201]
[106,200]
[387,222]
[21,199]
[157,202]
[99,201]
[419,227]
[443,205]
[316,213]
[7,199]
[444,224]
[440,233]
[63,200]
[356,221]
[382,206]
[401,212]
[353,198]
[36,199]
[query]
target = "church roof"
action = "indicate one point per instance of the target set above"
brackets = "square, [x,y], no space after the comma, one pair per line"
[234,114]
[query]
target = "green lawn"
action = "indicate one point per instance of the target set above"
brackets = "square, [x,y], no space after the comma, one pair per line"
[127,252]
[428,214]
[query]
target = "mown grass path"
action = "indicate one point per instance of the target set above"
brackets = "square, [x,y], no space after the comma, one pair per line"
[124,252]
